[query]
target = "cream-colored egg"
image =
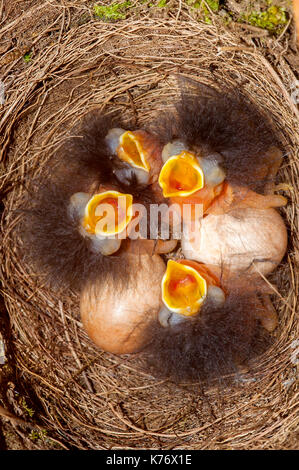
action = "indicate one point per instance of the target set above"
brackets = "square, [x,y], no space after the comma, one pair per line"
[116,319]
[247,240]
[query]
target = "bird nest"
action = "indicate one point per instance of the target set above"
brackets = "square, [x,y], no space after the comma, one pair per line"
[86,398]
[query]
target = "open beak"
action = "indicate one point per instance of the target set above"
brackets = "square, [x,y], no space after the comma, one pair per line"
[131,150]
[183,288]
[108,214]
[181,175]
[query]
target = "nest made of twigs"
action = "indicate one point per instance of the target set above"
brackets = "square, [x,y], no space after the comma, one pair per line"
[86,398]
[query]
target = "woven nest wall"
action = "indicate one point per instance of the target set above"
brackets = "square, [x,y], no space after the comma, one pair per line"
[89,399]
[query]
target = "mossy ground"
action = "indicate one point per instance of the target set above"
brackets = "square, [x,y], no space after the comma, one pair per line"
[270,15]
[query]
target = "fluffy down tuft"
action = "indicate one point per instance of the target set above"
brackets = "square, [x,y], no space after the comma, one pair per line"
[210,347]
[225,122]
[85,157]
[53,245]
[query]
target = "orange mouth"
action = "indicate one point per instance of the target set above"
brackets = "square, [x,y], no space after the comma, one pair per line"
[108,213]
[184,289]
[131,150]
[181,175]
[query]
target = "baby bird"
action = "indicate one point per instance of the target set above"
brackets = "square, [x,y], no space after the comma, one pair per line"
[209,325]
[223,150]
[77,216]
[230,138]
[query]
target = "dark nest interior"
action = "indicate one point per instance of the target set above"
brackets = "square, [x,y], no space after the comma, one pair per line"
[88,399]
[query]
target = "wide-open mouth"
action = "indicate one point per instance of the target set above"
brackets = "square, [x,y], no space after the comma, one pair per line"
[181,175]
[183,288]
[108,213]
[131,150]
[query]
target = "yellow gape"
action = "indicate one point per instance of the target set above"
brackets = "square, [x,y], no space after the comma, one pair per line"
[131,150]
[181,175]
[108,213]
[183,289]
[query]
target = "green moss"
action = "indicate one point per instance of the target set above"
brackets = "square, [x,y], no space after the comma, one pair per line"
[26,408]
[273,19]
[205,12]
[162,3]
[156,3]
[34,435]
[206,16]
[27,57]
[113,12]
[213,4]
